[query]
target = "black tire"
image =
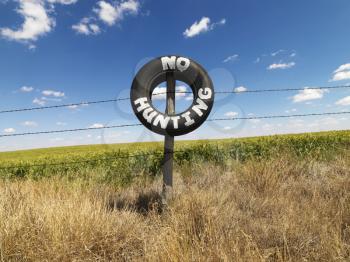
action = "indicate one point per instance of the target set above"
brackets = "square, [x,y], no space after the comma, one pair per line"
[154,73]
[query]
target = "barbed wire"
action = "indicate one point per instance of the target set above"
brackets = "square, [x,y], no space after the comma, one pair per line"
[69,130]
[279,116]
[212,119]
[283,89]
[15,110]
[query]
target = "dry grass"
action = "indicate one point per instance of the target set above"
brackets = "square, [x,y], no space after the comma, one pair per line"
[276,210]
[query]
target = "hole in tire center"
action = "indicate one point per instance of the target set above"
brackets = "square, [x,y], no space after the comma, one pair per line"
[182,100]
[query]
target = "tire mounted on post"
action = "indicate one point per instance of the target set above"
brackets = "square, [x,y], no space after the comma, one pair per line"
[185,70]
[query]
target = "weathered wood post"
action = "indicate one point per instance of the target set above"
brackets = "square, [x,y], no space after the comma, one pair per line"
[169,141]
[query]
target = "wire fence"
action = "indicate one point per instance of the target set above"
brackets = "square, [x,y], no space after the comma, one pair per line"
[210,120]
[85,103]
[136,125]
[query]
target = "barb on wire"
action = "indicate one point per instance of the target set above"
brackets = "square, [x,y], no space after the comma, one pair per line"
[162,93]
[212,119]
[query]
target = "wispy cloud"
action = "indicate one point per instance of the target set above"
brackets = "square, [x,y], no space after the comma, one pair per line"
[39,101]
[278,52]
[29,124]
[87,27]
[26,89]
[108,13]
[202,26]
[341,73]
[96,125]
[9,130]
[344,101]
[309,94]
[111,14]
[53,93]
[231,114]
[281,66]
[159,93]
[231,58]
[240,89]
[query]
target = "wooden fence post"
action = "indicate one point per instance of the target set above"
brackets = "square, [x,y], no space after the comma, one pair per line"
[168,141]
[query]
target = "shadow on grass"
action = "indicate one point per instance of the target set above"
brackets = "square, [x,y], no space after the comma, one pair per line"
[143,203]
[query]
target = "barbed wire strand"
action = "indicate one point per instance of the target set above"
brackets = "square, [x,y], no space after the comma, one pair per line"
[283,89]
[212,119]
[162,93]
[280,116]
[69,130]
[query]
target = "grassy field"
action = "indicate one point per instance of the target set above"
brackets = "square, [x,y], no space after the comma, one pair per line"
[279,198]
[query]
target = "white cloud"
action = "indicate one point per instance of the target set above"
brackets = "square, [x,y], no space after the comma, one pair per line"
[39,102]
[344,101]
[73,107]
[231,114]
[110,14]
[202,26]
[277,52]
[30,123]
[309,94]
[53,93]
[96,125]
[26,89]
[240,89]
[291,110]
[64,2]
[281,66]
[343,68]
[61,123]
[159,93]
[231,58]
[86,27]
[227,128]
[9,130]
[342,73]
[36,22]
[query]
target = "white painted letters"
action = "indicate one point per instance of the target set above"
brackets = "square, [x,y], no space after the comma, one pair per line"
[189,120]
[143,104]
[199,107]
[204,94]
[162,120]
[181,63]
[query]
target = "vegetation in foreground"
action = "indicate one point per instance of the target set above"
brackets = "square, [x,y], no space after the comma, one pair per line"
[281,209]
[283,198]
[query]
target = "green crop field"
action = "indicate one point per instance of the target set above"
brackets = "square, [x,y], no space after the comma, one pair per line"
[120,163]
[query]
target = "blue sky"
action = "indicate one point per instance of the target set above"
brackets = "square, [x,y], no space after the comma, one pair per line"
[65,51]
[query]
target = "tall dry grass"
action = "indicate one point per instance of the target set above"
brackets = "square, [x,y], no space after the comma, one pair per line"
[275,210]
